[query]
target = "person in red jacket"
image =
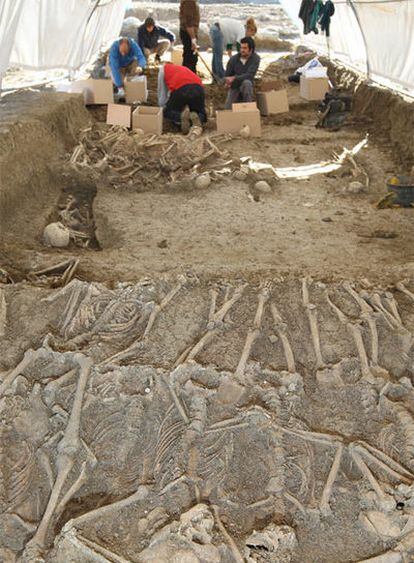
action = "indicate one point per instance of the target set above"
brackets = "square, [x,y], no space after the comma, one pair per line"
[181,94]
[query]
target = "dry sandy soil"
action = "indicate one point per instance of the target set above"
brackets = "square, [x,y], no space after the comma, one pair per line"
[230,377]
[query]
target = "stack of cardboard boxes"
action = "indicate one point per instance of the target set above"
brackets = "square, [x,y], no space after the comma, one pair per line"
[95,92]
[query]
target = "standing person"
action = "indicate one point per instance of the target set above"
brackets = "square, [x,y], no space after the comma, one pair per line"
[226,33]
[181,94]
[189,24]
[153,38]
[125,59]
[240,72]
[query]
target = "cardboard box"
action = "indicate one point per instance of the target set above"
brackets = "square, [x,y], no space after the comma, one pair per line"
[313,88]
[244,106]
[177,55]
[95,91]
[273,102]
[268,85]
[149,119]
[119,114]
[231,121]
[136,90]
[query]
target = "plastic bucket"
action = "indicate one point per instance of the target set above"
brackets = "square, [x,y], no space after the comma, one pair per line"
[403,188]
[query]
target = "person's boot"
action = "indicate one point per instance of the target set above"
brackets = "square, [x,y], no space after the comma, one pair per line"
[185,121]
[195,119]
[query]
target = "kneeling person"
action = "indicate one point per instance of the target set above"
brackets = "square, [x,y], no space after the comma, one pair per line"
[125,59]
[181,94]
[240,73]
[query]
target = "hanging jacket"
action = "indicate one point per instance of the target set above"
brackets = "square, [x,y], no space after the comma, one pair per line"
[305,13]
[325,17]
[315,16]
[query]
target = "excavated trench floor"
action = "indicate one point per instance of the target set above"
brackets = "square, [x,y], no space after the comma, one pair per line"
[229,378]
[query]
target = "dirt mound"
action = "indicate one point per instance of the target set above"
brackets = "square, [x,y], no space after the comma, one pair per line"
[36,129]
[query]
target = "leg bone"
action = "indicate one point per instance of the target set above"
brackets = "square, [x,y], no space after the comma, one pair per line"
[281,331]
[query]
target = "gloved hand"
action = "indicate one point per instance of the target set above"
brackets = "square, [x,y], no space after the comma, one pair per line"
[194,45]
[121,92]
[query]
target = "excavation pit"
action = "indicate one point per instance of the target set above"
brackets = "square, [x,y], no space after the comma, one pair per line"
[235,364]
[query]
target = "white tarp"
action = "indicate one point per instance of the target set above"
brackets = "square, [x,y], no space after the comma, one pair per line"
[104,27]
[10,12]
[49,33]
[43,34]
[375,36]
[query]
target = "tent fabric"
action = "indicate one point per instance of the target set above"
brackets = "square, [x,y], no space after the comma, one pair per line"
[10,12]
[43,34]
[103,28]
[373,36]
[49,33]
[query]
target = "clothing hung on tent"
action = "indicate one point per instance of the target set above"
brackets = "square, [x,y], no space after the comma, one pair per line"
[327,12]
[305,14]
[314,12]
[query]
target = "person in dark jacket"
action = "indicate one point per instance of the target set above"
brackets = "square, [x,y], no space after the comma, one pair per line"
[154,38]
[240,72]
[189,24]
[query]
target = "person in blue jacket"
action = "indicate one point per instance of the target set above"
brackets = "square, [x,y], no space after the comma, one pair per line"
[153,38]
[125,59]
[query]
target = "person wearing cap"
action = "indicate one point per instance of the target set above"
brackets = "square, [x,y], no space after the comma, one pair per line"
[125,59]
[225,34]
[154,39]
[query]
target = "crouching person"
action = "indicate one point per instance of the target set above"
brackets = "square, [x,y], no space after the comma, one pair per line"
[153,38]
[240,73]
[125,59]
[181,94]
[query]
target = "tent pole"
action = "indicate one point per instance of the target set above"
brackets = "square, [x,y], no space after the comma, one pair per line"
[354,10]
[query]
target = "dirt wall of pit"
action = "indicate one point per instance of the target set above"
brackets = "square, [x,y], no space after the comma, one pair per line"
[36,130]
[392,115]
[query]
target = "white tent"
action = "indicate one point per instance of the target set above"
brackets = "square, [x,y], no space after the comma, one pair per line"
[374,36]
[43,34]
